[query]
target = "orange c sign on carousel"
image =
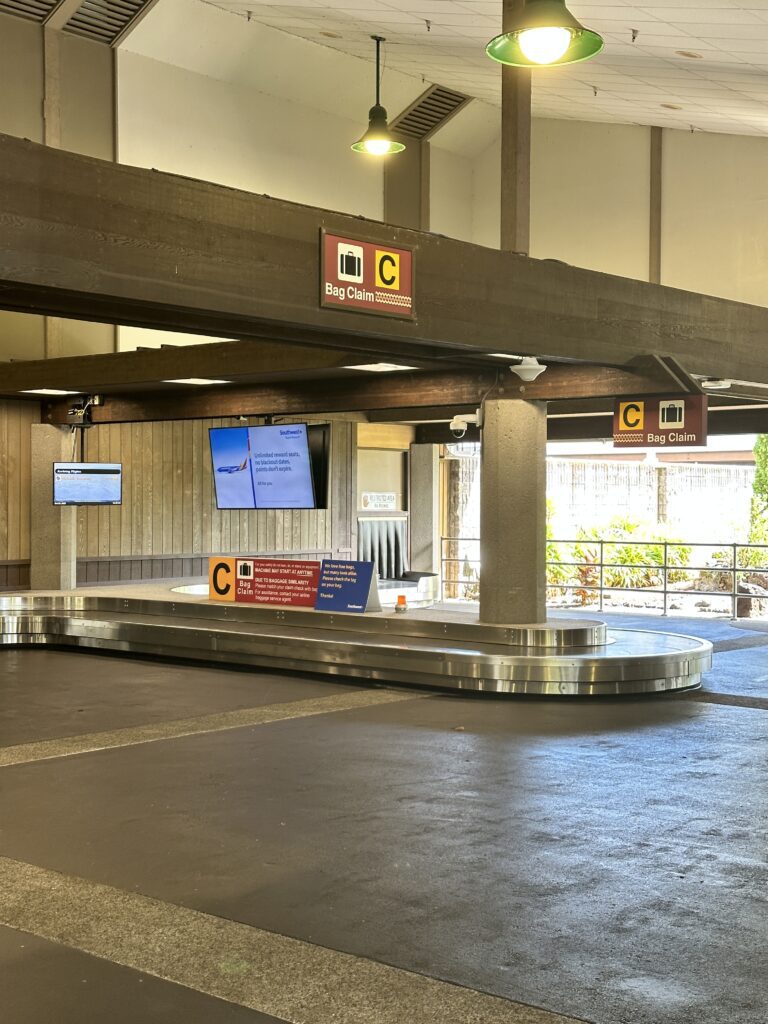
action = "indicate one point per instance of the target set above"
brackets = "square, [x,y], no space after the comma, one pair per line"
[221,579]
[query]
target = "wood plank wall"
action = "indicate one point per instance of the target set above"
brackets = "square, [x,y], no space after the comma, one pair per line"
[168,523]
[15,421]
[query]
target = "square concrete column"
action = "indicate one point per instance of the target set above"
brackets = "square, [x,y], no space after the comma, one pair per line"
[53,547]
[513,512]
[425,508]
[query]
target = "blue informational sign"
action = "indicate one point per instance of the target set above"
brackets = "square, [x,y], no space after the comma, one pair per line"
[344,586]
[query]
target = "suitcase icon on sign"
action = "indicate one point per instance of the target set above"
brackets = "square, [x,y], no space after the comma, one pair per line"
[350,263]
[671,414]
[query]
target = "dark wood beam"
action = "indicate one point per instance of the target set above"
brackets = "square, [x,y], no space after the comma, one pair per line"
[515,213]
[655,205]
[599,427]
[363,393]
[246,362]
[97,241]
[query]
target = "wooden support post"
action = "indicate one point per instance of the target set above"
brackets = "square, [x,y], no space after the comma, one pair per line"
[515,150]
[654,232]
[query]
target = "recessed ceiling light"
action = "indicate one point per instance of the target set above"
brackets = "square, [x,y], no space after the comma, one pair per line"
[689,54]
[503,355]
[196,380]
[379,367]
[671,106]
[716,384]
[49,391]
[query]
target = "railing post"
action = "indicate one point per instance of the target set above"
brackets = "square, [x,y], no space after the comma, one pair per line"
[735,593]
[665,576]
[602,575]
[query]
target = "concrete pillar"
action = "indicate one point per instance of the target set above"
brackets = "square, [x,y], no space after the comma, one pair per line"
[425,508]
[53,547]
[513,512]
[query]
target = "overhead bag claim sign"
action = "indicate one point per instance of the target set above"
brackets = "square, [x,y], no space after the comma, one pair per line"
[366,277]
[660,422]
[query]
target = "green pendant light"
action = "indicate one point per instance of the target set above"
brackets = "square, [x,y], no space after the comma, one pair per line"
[378,140]
[544,34]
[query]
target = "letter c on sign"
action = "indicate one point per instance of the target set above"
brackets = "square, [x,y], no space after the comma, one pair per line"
[387,266]
[632,417]
[217,586]
[388,279]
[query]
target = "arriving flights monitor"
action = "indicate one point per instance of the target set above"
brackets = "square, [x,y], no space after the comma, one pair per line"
[87,483]
[262,467]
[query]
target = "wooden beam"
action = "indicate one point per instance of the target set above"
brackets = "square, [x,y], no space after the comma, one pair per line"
[515,147]
[126,372]
[599,427]
[353,393]
[654,225]
[61,14]
[667,366]
[92,240]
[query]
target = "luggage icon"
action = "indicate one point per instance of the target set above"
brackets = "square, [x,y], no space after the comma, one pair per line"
[350,267]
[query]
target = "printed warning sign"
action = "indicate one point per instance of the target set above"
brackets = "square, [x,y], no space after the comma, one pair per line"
[277,582]
[365,277]
[274,581]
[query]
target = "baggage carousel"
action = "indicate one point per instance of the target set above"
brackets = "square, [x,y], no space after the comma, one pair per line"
[560,658]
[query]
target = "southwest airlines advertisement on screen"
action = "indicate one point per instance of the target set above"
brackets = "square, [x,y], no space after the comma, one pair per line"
[262,467]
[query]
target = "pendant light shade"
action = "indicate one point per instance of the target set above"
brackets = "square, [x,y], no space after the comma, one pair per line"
[377,140]
[544,34]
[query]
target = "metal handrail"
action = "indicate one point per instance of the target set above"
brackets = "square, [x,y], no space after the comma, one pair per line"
[733,567]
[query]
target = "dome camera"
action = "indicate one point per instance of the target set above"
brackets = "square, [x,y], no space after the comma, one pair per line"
[458,426]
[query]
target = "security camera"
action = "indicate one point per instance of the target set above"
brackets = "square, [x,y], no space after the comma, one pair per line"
[460,422]
[528,369]
[458,426]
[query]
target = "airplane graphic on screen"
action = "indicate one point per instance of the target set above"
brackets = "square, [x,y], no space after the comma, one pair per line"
[233,469]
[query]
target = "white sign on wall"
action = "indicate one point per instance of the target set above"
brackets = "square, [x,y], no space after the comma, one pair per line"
[379,501]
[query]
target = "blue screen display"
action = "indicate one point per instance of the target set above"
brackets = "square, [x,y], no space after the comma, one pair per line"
[262,467]
[87,483]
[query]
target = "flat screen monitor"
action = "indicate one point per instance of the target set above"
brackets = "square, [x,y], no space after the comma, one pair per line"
[87,483]
[262,467]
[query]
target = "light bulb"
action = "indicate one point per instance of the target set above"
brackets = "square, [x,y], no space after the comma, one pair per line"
[544,45]
[376,147]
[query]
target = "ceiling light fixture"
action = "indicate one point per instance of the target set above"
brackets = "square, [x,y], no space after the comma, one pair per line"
[715,384]
[689,54]
[379,367]
[196,380]
[50,392]
[544,33]
[378,140]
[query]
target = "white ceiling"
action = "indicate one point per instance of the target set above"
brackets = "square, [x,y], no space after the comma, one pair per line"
[726,90]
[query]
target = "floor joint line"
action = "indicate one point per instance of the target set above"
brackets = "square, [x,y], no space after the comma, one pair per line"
[153,732]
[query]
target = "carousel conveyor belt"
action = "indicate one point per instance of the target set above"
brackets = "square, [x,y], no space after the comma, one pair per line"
[561,658]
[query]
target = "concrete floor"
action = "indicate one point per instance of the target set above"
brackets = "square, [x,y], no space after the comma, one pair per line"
[601,860]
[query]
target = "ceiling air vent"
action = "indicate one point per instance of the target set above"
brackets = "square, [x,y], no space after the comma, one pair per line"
[32,10]
[103,20]
[430,111]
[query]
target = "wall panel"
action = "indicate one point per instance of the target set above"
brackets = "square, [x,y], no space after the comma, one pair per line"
[168,523]
[15,421]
